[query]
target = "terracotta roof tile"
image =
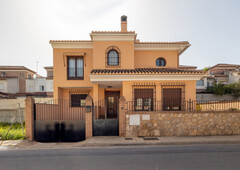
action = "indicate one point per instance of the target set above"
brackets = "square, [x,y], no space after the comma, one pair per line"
[147,71]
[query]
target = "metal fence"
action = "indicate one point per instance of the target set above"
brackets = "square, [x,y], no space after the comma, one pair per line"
[186,105]
[59,109]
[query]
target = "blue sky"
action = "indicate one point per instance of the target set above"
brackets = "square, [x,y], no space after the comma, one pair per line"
[211,26]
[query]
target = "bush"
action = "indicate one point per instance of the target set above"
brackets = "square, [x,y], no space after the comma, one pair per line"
[15,133]
[220,89]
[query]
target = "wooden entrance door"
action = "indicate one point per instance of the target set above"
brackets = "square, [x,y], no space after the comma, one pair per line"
[112,98]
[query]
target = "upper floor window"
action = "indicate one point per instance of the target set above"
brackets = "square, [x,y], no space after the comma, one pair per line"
[113,58]
[41,88]
[75,68]
[160,62]
[200,83]
[3,74]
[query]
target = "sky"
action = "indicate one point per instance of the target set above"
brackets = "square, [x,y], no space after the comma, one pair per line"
[211,26]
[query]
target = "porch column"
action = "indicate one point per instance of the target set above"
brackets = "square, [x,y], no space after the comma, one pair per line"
[29,118]
[95,92]
[122,116]
[158,97]
[89,117]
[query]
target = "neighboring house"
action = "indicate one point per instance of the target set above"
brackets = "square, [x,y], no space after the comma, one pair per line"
[116,63]
[188,67]
[220,73]
[13,79]
[41,85]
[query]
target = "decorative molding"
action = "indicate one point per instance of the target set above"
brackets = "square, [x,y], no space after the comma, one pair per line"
[72,45]
[172,83]
[178,47]
[79,91]
[107,78]
[144,84]
[113,37]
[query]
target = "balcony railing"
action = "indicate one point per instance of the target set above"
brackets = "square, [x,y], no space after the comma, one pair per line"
[186,105]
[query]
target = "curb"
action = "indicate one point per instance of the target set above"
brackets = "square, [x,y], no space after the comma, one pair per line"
[162,143]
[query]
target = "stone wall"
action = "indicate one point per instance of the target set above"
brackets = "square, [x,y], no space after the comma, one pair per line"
[182,124]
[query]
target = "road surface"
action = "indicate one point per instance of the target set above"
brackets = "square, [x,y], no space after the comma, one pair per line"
[131,157]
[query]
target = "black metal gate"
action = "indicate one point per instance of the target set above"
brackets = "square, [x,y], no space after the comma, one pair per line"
[105,115]
[59,121]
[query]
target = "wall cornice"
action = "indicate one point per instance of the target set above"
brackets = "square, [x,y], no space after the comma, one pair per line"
[72,45]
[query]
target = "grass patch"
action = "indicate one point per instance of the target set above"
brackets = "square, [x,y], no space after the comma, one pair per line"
[15,133]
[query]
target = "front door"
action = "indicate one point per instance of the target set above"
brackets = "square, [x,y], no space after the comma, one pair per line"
[112,98]
[107,125]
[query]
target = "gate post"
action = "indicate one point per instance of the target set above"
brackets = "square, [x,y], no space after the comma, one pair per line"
[89,117]
[29,117]
[122,116]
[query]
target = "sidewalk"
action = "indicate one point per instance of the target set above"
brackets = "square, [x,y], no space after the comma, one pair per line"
[105,141]
[118,141]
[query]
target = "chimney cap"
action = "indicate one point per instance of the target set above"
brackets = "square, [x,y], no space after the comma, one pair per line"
[123,18]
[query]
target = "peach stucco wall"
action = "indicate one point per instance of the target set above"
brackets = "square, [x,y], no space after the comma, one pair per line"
[126,57]
[190,89]
[148,58]
[60,70]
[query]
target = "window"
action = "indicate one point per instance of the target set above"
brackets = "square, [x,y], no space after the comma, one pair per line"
[160,62]
[78,100]
[29,76]
[75,68]
[113,58]
[200,83]
[3,74]
[143,99]
[50,73]
[172,98]
[41,88]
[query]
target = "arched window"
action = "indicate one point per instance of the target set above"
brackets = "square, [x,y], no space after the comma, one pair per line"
[161,62]
[113,58]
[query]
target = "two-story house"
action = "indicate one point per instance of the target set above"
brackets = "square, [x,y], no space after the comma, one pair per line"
[13,78]
[116,63]
[219,73]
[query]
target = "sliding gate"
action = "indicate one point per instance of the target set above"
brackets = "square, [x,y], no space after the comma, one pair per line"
[59,121]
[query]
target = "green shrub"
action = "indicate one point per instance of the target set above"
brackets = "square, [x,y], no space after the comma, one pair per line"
[220,89]
[16,132]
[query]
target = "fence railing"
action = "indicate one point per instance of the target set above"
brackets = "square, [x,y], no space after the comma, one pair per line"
[186,105]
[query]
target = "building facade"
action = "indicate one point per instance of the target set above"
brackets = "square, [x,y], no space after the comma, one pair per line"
[41,85]
[13,78]
[220,73]
[115,63]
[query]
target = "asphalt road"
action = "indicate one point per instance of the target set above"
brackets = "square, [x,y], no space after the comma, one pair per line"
[138,157]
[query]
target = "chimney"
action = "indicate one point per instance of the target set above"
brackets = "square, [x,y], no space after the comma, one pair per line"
[123,23]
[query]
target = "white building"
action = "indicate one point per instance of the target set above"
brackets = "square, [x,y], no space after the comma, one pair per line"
[41,84]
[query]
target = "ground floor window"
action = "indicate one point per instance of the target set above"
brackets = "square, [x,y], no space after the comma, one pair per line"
[143,99]
[172,98]
[78,100]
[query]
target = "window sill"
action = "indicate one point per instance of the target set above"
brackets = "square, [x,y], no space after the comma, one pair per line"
[75,78]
